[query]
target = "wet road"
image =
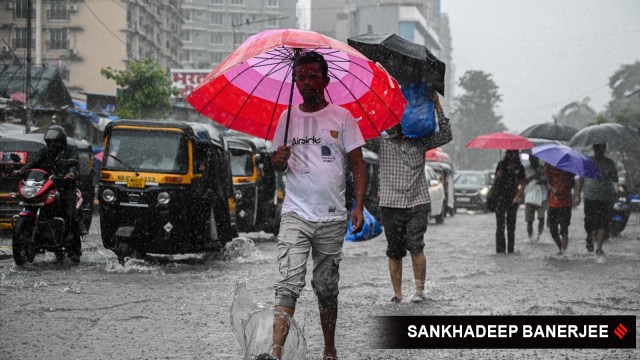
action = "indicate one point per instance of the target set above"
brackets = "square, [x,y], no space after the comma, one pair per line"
[178,307]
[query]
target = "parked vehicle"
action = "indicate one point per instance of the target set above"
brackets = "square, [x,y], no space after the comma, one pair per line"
[436,195]
[25,146]
[43,224]
[471,189]
[446,172]
[165,187]
[258,187]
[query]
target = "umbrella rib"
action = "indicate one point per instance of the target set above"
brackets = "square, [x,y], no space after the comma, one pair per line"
[350,92]
[275,104]
[273,70]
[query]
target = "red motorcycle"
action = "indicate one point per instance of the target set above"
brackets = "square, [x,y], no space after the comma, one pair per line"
[42,226]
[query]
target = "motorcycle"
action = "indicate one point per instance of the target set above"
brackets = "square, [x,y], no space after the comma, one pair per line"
[41,225]
[620,212]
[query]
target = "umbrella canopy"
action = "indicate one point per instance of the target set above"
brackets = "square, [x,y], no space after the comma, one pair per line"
[500,140]
[567,159]
[602,134]
[437,155]
[550,131]
[407,61]
[251,88]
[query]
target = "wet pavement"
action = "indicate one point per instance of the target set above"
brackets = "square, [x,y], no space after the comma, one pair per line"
[179,307]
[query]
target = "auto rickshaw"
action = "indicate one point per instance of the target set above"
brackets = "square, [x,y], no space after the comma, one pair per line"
[165,188]
[259,188]
[26,145]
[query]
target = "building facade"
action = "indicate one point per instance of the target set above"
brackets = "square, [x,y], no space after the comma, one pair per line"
[81,37]
[214,28]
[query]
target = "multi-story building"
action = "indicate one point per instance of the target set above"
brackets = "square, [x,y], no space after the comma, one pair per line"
[214,28]
[417,21]
[81,37]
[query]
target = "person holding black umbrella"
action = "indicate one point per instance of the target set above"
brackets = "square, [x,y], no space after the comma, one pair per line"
[598,196]
[509,184]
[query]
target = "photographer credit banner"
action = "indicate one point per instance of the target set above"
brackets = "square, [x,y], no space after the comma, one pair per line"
[504,332]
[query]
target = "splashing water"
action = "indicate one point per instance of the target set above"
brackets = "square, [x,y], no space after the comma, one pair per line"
[242,249]
[253,326]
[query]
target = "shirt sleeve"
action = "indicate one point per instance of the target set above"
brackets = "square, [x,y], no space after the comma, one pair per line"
[351,135]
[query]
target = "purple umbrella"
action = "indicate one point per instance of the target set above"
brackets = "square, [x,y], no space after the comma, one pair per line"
[567,159]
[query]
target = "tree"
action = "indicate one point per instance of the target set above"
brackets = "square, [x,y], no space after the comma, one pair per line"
[624,106]
[474,114]
[576,114]
[144,89]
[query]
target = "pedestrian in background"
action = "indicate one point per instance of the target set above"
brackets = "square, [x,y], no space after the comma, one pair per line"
[598,195]
[323,140]
[509,184]
[561,184]
[535,196]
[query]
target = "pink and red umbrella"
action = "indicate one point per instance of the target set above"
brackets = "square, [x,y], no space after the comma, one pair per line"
[437,155]
[249,90]
[500,140]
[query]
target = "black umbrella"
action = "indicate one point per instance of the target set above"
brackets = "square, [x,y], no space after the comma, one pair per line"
[550,131]
[602,134]
[406,61]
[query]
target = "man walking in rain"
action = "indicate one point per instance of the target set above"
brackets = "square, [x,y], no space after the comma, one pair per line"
[598,196]
[535,197]
[323,139]
[404,203]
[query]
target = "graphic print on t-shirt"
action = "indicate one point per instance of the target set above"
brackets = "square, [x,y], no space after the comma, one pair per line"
[306,140]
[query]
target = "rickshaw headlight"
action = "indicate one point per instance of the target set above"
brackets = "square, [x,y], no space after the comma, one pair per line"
[108,196]
[164,198]
[238,194]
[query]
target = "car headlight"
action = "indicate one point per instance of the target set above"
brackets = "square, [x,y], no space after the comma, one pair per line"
[484,191]
[108,196]
[164,198]
[29,191]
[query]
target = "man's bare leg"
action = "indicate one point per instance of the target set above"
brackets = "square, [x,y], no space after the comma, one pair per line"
[328,318]
[565,242]
[419,262]
[599,239]
[395,270]
[280,329]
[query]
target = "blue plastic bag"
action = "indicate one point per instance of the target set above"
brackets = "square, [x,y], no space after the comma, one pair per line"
[419,118]
[370,229]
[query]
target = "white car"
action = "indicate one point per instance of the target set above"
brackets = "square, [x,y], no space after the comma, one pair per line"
[436,194]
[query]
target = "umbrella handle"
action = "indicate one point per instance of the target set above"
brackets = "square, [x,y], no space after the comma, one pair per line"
[296,53]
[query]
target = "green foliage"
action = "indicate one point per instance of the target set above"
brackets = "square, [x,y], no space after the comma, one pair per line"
[475,114]
[577,114]
[624,106]
[144,89]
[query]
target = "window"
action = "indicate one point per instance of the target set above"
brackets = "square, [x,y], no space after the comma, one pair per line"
[58,10]
[237,19]
[217,57]
[216,18]
[185,55]
[216,2]
[216,38]
[272,22]
[272,3]
[186,14]
[21,9]
[58,39]
[237,2]
[185,36]
[20,41]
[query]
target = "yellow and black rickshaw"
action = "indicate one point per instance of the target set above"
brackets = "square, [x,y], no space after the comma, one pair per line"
[259,188]
[165,188]
[25,146]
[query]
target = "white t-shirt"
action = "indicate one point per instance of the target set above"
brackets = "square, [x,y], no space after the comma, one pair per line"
[320,142]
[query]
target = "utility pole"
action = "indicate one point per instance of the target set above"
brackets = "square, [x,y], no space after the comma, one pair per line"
[27,120]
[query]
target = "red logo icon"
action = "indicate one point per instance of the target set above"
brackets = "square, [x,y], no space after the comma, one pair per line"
[620,331]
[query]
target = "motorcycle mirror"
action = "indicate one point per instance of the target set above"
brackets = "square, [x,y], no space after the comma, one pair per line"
[14,157]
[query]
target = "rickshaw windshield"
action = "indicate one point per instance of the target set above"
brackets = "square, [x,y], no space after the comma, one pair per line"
[241,163]
[151,151]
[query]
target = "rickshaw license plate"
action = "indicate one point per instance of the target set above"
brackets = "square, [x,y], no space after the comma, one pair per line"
[137,183]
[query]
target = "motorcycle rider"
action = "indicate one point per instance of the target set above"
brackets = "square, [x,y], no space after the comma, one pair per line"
[54,159]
